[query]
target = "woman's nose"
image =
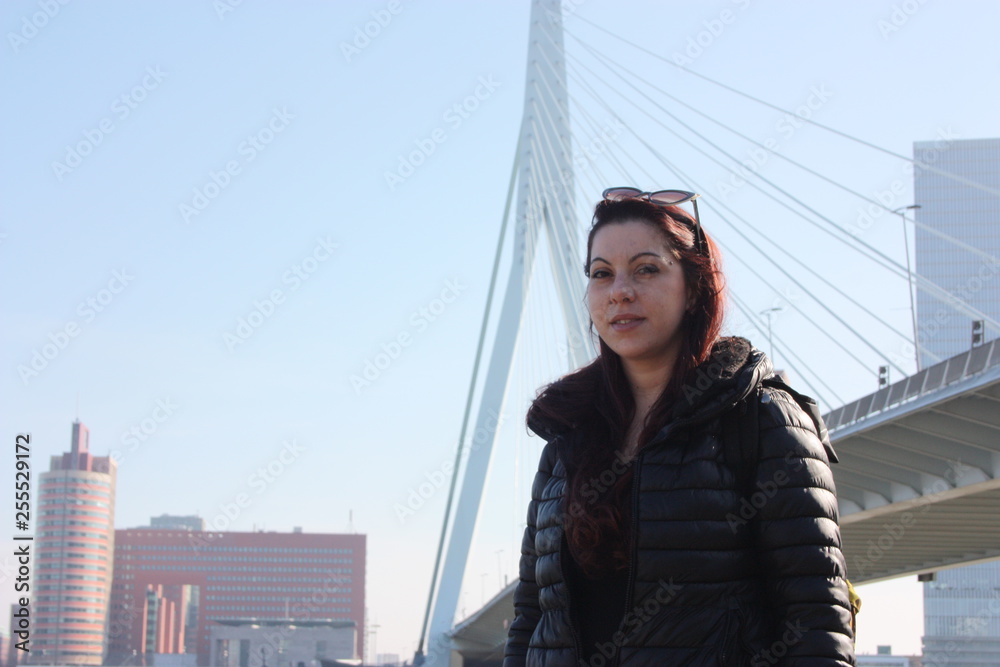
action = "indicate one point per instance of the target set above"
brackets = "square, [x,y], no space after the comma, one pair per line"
[621,289]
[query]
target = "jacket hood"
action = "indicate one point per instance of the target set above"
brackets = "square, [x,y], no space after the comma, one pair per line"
[733,369]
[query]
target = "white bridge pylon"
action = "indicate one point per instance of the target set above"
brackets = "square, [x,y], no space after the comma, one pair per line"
[542,182]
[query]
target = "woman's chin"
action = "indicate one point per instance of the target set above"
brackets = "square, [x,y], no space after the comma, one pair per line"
[636,352]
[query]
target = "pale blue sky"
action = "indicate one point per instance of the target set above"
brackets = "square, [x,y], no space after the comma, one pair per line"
[329,124]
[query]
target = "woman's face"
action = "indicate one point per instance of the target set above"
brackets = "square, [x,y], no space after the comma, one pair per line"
[634,276]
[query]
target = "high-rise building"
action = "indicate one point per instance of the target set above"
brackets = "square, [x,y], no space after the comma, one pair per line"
[885,658]
[962,616]
[965,207]
[257,643]
[961,609]
[173,585]
[177,522]
[75,543]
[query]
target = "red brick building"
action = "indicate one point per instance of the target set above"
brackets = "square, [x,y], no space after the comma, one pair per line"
[170,583]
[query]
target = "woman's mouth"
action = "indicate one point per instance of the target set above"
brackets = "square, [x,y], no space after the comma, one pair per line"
[626,323]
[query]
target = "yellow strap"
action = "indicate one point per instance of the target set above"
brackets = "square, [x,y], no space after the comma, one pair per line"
[855,598]
[855,608]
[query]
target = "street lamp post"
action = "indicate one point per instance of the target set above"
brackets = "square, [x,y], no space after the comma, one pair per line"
[909,277]
[373,655]
[770,340]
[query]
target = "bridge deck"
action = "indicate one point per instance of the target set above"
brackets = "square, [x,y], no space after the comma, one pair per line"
[919,472]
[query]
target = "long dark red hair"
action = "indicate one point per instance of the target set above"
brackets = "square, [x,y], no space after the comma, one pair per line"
[597,403]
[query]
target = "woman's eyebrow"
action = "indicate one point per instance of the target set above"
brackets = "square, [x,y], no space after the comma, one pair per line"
[631,259]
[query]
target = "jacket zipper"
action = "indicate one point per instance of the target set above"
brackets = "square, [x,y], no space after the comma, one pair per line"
[732,628]
[577,642]
[633,553]
[754,390]
[726,639]
[741,628]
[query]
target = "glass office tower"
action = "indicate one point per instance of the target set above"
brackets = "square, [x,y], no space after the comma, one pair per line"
[962,617]
[962,605]
[965,207]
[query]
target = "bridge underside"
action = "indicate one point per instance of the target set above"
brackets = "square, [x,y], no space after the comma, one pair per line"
[924,536]
[482,636]
[919,471]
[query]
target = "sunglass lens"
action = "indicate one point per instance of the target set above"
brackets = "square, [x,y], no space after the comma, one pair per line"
[670,197]
[616,194]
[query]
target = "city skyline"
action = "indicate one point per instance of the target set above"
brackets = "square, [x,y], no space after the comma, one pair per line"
[103,595]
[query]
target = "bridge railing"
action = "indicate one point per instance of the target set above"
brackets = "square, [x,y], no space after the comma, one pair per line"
[930,379]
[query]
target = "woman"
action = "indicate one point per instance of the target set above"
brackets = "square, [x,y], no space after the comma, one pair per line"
[648,541]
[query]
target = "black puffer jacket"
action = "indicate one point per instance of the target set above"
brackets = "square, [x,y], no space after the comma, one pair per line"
[715,578]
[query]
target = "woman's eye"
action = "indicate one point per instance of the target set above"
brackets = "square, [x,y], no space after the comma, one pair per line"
[600,273]
[648,268]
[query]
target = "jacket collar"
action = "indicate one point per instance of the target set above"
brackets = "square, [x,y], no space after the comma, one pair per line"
[734,368]
[732,371]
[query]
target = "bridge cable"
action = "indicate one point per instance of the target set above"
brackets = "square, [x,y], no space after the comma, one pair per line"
[922,165]
[792,354]
[922,282]
[772,261]
[787,352]
[673,168]
[927,228]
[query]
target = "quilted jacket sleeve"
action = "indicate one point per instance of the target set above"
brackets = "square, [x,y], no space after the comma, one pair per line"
[526,608]
[798,541]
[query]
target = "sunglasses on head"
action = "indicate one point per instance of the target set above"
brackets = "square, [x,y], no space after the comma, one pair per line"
[664,198]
